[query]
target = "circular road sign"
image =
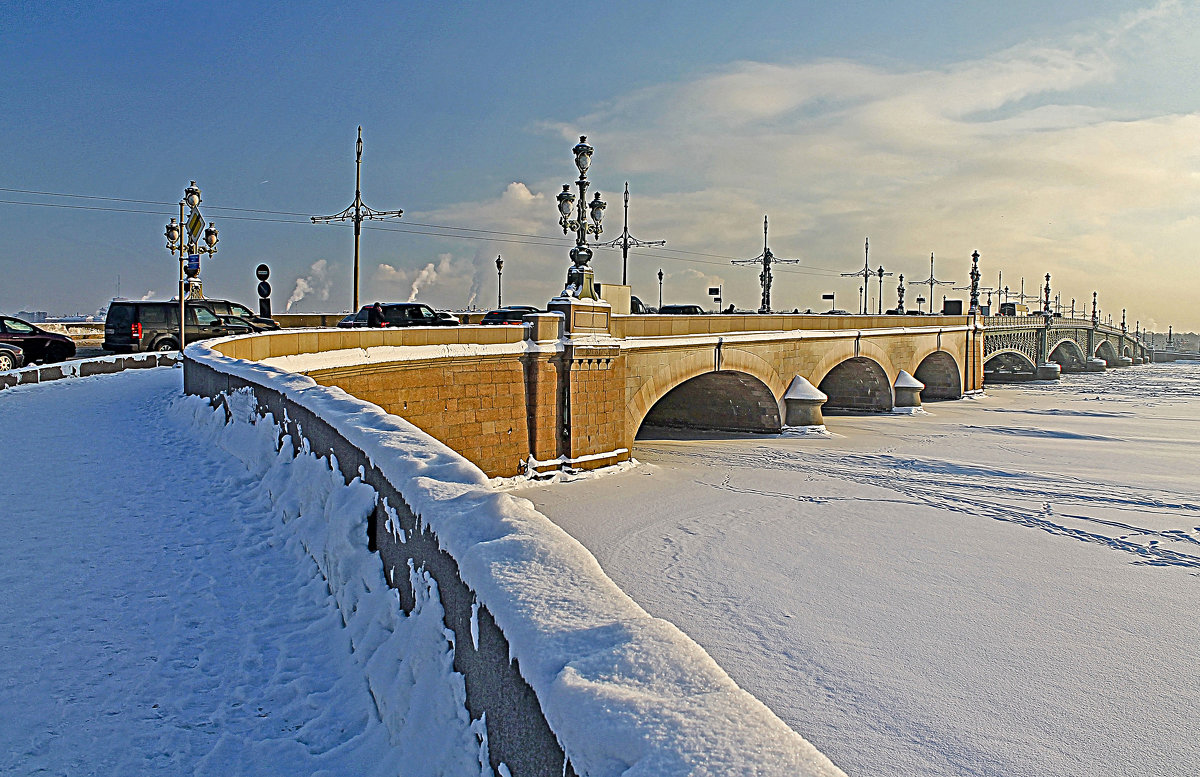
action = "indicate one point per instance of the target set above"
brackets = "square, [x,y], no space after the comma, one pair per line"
[264,289]
[262,272]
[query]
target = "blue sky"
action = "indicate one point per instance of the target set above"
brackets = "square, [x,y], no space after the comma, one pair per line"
[1056,138]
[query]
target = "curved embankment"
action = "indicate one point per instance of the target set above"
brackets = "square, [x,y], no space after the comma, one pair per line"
[569,675]
[82,368]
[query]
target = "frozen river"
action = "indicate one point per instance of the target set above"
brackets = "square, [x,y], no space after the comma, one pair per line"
[1004,586]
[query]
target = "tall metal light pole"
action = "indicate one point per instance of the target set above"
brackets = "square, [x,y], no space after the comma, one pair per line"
[627,241]
[766,259]
[900,296]
[189,247]
[660,277]
[499,278]
[881,273]
[932,281]
[1046,311]
[581,283]
[1095,311]
[865,273]
[358,211]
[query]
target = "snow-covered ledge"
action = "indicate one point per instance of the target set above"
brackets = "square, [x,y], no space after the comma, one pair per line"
[613,690]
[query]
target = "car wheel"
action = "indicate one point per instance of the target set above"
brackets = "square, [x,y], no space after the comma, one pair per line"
[166,344]
[7,362]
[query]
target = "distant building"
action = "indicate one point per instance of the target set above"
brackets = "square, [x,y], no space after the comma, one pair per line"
[32,316]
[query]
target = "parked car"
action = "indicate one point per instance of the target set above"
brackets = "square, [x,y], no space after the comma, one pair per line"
[133,326]
[11,357]
[36,343]
[402,314]
[223,307]
[681,310]
[509,314]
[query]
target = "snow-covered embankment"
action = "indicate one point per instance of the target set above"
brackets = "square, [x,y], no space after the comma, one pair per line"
[561,669]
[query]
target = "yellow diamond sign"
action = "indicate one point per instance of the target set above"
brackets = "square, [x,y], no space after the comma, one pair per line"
[195,225]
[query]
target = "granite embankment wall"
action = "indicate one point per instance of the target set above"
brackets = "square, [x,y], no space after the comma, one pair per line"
[518,734]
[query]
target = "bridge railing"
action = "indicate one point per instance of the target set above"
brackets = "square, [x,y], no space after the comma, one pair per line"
[717,323]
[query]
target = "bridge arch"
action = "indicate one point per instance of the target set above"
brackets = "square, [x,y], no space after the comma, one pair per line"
[1127,352]
[1008,359]
[741,396]
[1068,355]
[857,383]
[1107,351]
[942,378]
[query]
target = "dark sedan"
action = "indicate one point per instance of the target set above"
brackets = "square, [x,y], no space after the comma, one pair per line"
[37,344]
[401,314]
[509,315]
[11,357]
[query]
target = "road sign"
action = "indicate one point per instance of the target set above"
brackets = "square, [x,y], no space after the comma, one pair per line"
[262,272]
[194,262]
[714,291]
[195,225]
[264,289]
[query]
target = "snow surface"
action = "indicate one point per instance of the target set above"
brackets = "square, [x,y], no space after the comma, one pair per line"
[904,380]
[180,599]
[1006,586]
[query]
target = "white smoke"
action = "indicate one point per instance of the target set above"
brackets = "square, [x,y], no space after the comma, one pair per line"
[148,295]
[484,265]
[427,276]
[316,283]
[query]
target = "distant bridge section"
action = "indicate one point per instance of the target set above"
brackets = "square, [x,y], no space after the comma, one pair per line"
[1035,346]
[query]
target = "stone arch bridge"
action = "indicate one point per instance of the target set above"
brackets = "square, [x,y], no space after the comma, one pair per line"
[1015,347]
[568,392]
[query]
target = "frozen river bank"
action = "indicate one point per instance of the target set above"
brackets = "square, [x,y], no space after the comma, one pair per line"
[1005,586]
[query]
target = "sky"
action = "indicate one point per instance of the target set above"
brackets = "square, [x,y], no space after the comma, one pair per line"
[1051,138]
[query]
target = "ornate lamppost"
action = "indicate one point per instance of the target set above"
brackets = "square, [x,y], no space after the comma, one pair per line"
[1046,311]
[974,282]
[660,277]
[900,296]
[580,277]
[499,278]
[1095,311]
[1124,326]
[189,247]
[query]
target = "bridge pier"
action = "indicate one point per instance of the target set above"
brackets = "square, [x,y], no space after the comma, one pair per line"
[802,404]
[1048,371]
[908,392]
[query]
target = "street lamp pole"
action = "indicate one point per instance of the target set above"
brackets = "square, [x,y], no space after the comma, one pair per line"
[499,279]
[660,277]
[881,273]
[581,282]
[185,237]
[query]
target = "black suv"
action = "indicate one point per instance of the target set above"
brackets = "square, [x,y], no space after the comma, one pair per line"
[133,326]
[401,314]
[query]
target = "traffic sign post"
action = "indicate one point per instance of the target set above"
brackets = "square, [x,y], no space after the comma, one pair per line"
[262,272]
